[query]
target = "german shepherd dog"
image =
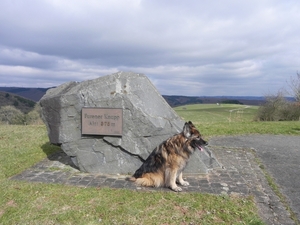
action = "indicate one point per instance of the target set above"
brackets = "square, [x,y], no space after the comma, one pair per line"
[165,164]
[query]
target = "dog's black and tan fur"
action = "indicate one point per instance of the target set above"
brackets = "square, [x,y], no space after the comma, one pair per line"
[165,164]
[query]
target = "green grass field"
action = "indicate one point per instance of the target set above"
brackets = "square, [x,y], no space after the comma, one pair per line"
[229,119]
[34,203]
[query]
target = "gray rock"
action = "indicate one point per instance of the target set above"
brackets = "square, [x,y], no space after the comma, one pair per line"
[147,121]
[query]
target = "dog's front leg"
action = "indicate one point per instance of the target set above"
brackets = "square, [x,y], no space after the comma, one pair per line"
[181,181]
[171,179]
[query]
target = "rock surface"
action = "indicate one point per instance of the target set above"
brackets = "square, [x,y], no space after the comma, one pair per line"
[147,121]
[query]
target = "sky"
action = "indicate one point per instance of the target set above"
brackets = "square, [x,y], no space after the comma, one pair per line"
[191,47]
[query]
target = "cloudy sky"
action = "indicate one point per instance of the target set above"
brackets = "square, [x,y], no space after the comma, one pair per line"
[191,47]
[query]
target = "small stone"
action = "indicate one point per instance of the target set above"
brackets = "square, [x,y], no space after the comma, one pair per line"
[225,188]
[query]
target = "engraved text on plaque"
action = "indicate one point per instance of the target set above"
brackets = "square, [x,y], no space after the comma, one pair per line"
[102,121]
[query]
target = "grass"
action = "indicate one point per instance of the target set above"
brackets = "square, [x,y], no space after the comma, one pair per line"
[34,203]
[56,204]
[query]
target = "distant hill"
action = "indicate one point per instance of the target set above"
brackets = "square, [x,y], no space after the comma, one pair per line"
[187,100]
[23,104]
[35,94]
[177,100]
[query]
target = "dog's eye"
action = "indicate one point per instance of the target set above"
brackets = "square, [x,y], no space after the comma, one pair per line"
[197,137]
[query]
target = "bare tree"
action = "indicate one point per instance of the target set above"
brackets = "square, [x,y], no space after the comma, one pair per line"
[294,84]
[277,108]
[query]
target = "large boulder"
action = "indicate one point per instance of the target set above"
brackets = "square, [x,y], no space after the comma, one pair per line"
[147,121]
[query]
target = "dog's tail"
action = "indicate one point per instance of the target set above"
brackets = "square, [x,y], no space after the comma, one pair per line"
[148,180]
[145,182]
[132,179]
[142,181]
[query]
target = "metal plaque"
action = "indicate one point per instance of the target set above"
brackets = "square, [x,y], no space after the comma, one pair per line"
[102,121]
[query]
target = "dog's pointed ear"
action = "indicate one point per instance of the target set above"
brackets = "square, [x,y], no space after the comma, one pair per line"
[191,124]
[187,129]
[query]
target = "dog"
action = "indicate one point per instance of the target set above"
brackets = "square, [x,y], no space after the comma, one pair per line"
[165,164]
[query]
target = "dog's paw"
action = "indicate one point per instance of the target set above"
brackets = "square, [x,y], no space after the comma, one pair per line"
[177,189]
[185,183]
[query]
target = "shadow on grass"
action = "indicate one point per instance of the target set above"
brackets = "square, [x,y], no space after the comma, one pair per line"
[55,153]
